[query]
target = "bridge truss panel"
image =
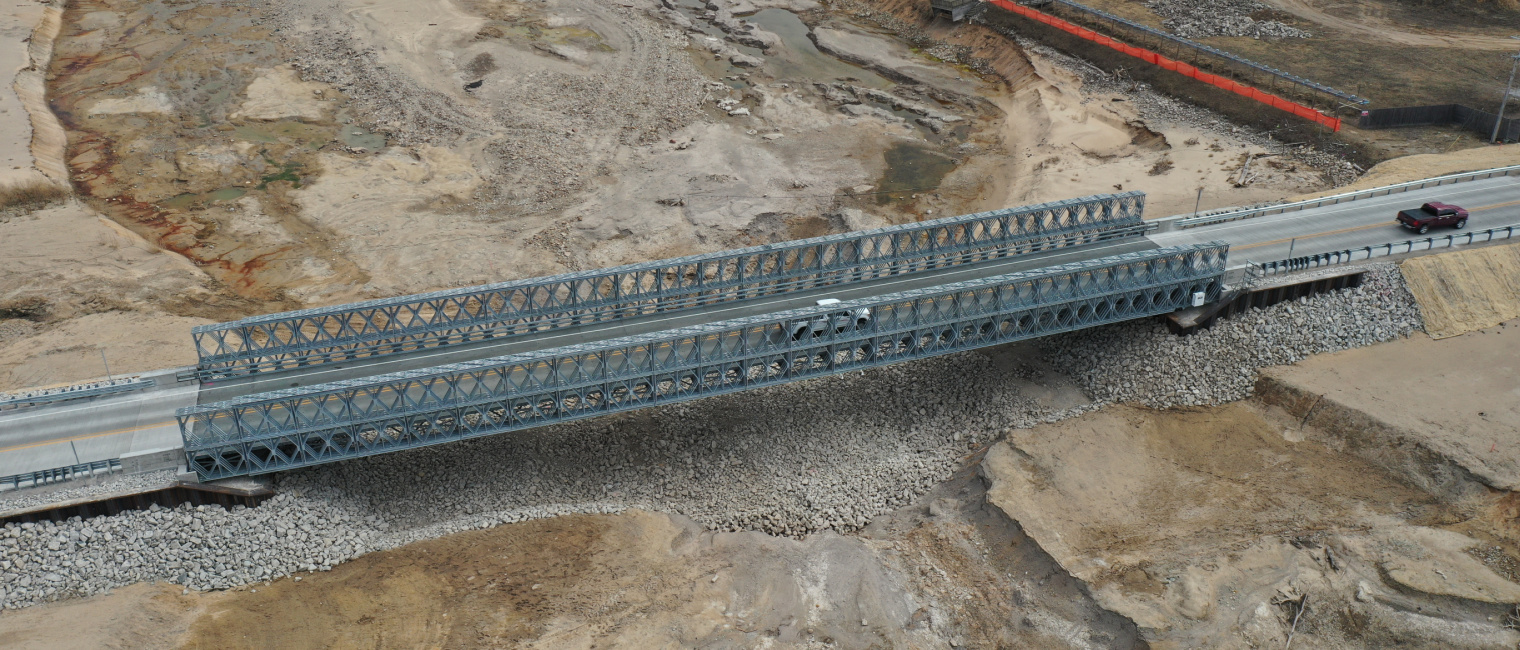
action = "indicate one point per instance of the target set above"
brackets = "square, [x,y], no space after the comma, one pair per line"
[398,325]
[313,425]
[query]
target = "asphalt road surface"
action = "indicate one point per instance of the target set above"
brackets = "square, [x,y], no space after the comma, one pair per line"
[84,430]
[1491,202]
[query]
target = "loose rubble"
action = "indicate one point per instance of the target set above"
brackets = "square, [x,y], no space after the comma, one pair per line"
[789,460]
[1204,18]
[1140,361]
[118,484]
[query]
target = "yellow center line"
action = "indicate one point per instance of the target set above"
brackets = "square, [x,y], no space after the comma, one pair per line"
[1496,205]
[1356,228]
[87,437]
[1322,234]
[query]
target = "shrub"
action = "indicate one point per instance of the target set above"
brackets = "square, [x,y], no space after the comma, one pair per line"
[30,194]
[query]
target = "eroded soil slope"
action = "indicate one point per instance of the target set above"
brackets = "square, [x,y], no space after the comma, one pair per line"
[319,152]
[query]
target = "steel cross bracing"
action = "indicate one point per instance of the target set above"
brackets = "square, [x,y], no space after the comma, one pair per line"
[319,424]
[398,325]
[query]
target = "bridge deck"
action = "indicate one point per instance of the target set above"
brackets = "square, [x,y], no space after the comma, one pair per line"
[228,389]
[269,432]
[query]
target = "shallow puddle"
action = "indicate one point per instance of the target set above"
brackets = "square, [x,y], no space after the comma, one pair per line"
[294,132]
[912,168]
[354,136]
[802,60]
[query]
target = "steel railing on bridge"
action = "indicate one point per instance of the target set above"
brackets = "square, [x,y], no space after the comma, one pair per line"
[319,424]
[40,396]
[1349,255]
[59,474]
[398,325]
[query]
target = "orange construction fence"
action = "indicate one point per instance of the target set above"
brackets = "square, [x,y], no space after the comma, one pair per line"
[1334,123]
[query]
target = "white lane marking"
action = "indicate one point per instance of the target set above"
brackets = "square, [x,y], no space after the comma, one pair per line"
[1313,212]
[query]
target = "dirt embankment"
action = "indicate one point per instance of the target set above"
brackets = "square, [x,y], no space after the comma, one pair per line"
[1069,133]
[1464,291]
[1370,491]
[72,283]
[1421,166]
[1416,400]
[1239,526]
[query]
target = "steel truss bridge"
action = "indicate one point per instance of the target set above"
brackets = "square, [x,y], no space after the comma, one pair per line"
[385,375]
[397,326]
[286,429]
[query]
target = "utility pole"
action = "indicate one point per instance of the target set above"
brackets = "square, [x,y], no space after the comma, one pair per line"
[1199,201]
[107,365]
[1499,121]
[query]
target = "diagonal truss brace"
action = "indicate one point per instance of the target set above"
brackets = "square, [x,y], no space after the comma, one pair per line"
[298,339]
[319,424]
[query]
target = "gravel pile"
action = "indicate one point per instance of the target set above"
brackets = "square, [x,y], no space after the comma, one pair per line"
[1204,18]
[789,460]
[120,483]
[1141,362]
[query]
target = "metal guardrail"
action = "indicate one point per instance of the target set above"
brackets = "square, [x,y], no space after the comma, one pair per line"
[1205,220]
[305,426]
[398,325]
[1235,58]
[59,474]
[12,401]
[1349,255]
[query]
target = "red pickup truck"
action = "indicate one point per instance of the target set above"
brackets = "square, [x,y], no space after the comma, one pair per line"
[1433,214]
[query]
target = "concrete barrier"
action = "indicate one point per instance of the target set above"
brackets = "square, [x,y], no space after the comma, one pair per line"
[152,460]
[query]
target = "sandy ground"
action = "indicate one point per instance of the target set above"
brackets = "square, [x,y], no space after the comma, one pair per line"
[1097,142]
[1459,396]
[75,283]
[71,351]
[1370,23]
[16,23]
[1466,290]
[342,156]
[1206,527]
[139,616]
[1063,139]
[1416,167]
